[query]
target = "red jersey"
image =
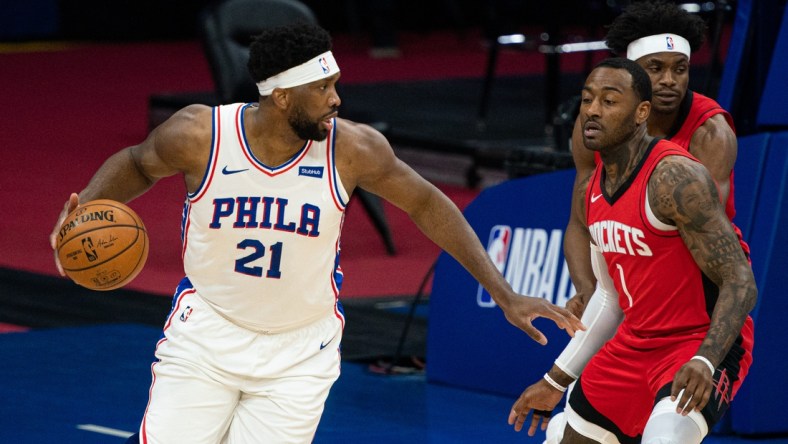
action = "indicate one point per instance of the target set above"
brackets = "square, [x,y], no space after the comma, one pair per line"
[667,303]
[661,289]
[694,111]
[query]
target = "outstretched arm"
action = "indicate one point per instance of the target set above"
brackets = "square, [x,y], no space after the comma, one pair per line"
[683,193]
[369,162]
[577,238]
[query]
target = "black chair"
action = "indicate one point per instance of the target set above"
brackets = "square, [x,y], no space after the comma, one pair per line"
[227,28]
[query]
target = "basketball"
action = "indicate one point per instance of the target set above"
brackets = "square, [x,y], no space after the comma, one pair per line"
[102,245]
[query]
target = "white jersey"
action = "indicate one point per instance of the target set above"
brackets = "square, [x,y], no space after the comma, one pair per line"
[261,243]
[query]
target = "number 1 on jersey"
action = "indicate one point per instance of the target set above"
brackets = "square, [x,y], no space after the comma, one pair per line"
[242,264]
[624,283]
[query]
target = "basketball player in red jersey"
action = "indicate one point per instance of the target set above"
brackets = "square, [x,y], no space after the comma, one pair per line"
[668,343]
[659,36]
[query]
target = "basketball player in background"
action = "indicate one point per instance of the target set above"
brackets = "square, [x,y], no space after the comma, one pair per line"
[669,339]
[251,347]
[659,36]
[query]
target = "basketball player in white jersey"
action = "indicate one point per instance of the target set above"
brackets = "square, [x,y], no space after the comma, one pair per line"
[251,347]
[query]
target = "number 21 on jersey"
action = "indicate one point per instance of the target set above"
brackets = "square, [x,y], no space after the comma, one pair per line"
[257,251]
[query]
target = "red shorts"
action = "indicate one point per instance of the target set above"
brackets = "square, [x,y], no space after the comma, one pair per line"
[621,383]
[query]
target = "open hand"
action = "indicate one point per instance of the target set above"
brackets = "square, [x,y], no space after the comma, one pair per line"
[539,398]
[522,310]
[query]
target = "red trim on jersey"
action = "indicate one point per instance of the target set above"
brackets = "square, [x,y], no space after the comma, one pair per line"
[337,313]
[330,148]
[143,428]
[175,309]
[247,150]
[334,287]
[211,168]
[700,110]
[186,226]
[339,316]
[336,270]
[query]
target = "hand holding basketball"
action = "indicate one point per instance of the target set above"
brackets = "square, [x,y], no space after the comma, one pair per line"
[71,204]
[101,245]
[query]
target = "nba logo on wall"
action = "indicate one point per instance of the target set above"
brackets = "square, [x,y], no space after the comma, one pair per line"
[498,250]
[531,261]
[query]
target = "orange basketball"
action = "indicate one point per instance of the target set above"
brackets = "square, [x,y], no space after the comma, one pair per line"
[102,245]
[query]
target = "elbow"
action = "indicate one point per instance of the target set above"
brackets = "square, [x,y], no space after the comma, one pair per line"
[746,295]
[752,298]
[740,287]
[751,293]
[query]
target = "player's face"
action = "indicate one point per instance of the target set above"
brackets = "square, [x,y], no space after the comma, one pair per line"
[316,104]
[607,108]
[669,73]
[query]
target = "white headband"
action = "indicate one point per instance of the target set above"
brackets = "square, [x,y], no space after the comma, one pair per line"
[317,68]
[658,43]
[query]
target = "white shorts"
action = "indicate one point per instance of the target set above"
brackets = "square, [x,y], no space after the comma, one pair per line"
[215,382]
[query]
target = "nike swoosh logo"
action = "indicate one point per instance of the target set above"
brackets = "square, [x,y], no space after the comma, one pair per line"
[595,198]
[325,344]
[226,171]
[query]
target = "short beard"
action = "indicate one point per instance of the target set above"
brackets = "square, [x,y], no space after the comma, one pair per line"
[616,139]
[304,128]
[661,110]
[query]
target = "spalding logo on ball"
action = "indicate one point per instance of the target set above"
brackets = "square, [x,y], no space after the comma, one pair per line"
[102,245]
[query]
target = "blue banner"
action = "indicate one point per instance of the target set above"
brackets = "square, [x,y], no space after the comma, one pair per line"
[470,343]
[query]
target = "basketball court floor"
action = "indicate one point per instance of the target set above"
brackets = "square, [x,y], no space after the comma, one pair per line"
[89,385]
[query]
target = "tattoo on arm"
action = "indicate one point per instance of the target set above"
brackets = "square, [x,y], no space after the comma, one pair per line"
[683,194]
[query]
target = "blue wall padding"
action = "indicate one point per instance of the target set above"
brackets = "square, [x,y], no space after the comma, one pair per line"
[773,110]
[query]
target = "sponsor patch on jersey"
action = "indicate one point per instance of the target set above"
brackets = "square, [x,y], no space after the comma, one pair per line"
[314,171]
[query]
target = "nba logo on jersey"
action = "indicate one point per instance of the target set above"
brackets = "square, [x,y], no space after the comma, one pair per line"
[324,65]
[669,42]
[186,313]
[498,250]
